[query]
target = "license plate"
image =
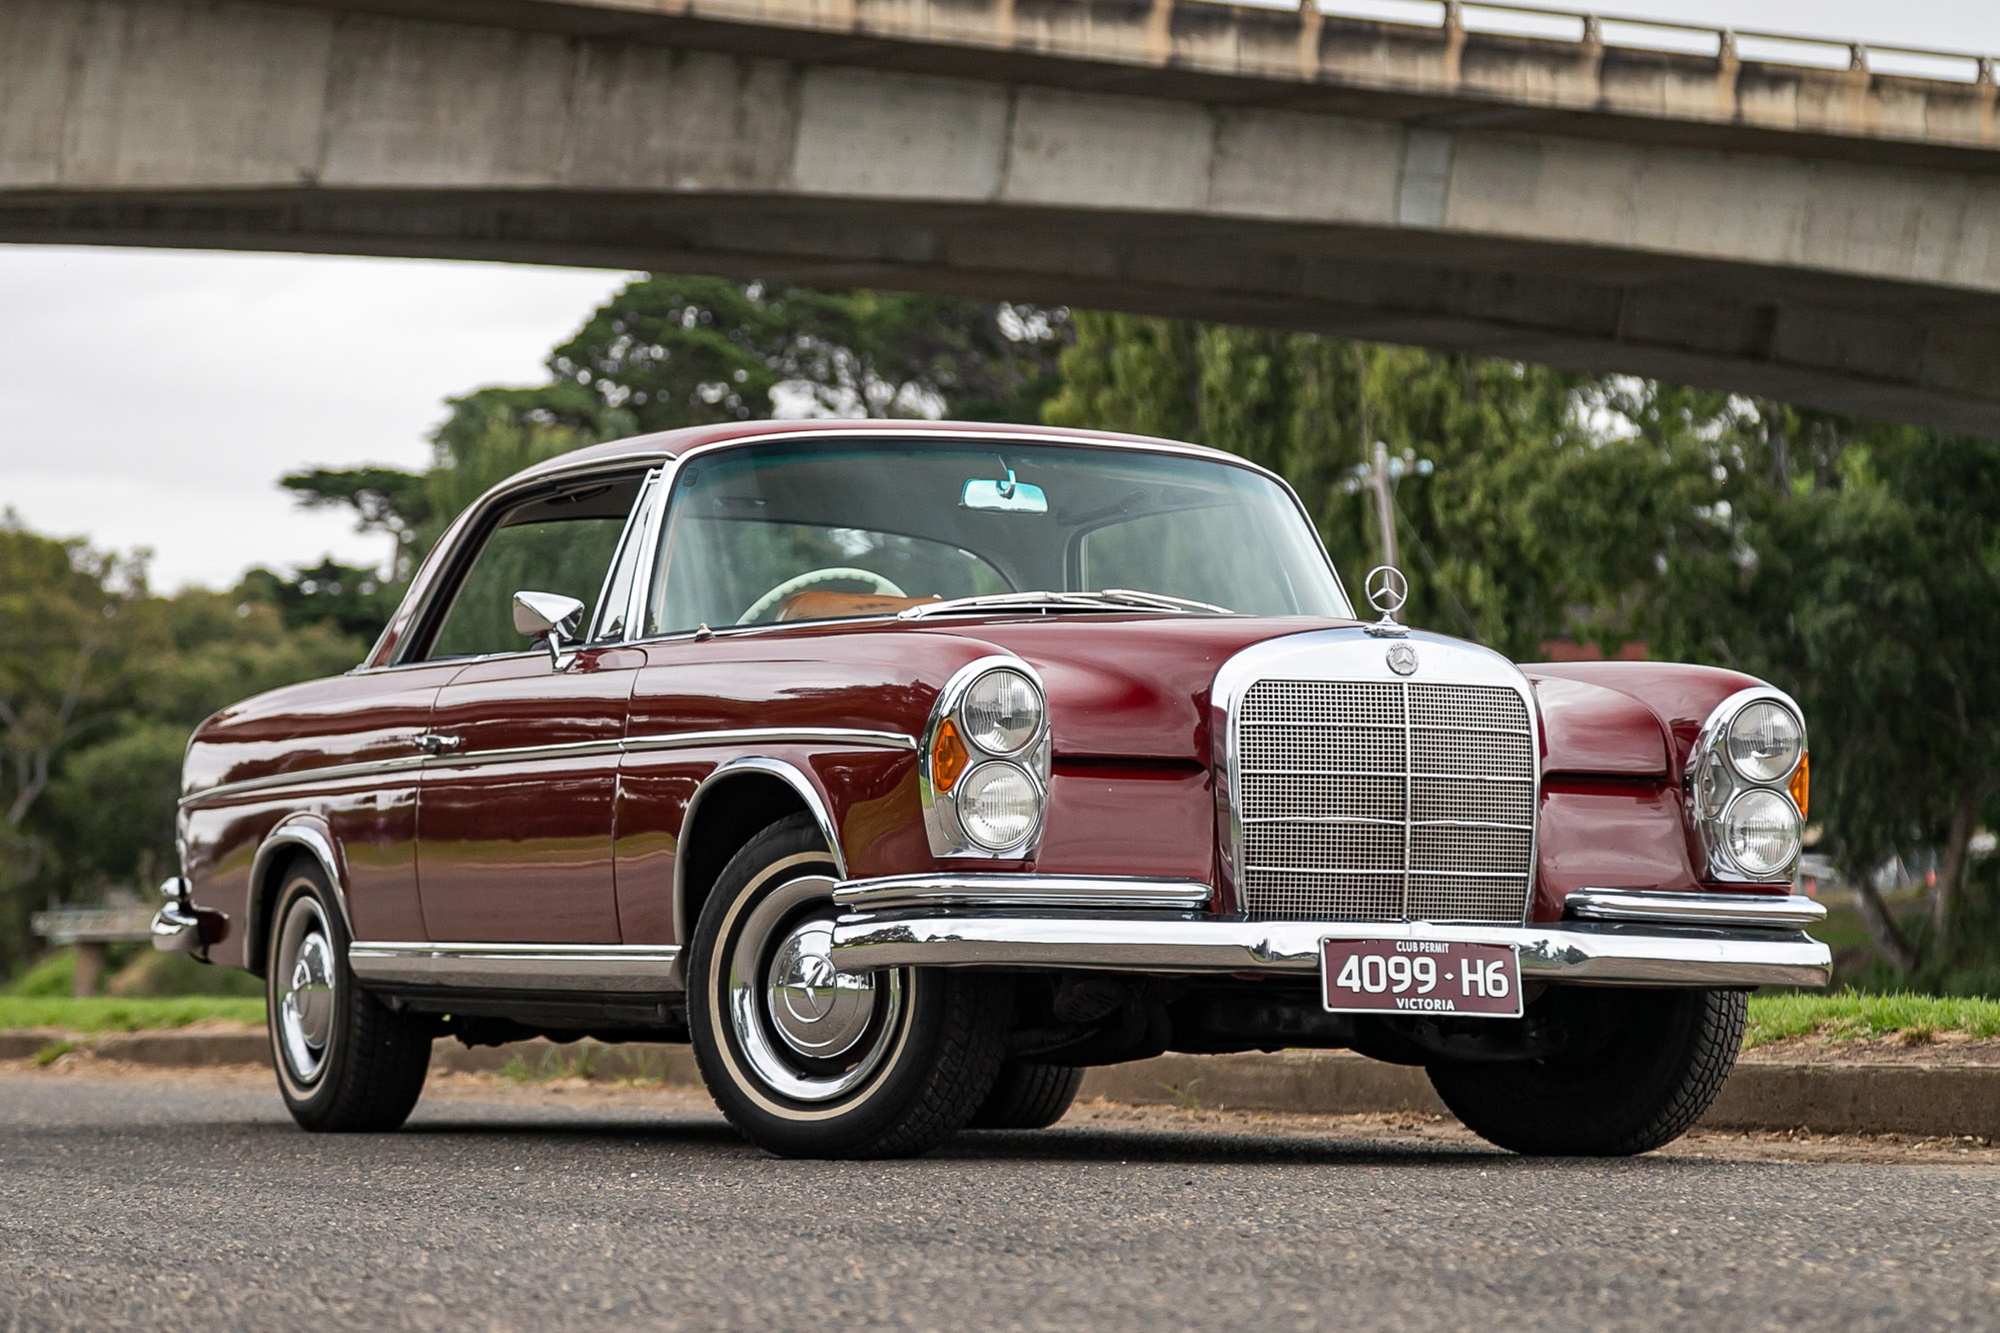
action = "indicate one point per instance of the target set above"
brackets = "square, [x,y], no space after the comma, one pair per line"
[1421,977]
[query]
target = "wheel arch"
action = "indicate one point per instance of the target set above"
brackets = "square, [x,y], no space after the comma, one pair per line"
[732,805]
[302,835]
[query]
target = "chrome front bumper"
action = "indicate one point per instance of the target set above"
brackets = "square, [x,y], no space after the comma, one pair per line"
[1628,938]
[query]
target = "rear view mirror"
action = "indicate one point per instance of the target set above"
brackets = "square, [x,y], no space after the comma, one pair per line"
[1005,497]
[549,617]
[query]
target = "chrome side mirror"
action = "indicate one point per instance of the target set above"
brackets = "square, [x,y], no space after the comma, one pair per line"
[551,618]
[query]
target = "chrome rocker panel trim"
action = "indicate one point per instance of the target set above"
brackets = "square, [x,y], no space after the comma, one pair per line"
[1713,909]
[646,969]
[1010,891]
[1003,934]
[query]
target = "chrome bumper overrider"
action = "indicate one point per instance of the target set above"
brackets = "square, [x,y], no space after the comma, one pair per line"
[176,928]
[1663,948]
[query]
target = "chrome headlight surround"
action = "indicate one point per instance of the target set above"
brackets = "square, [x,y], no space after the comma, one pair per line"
[942,822]
[1714,787]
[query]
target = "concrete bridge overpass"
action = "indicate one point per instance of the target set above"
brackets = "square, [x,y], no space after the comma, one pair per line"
[1719,216]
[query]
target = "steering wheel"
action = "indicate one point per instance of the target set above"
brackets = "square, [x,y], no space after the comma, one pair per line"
[812,578]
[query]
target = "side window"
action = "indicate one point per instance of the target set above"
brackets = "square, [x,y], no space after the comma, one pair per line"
[561,543]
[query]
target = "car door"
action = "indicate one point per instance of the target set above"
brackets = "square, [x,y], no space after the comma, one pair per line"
[515,809]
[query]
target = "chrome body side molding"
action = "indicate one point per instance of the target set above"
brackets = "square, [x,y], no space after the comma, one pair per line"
[1004,890]
[850,738]
[623,969]
[311,777]
[834,737]
[1712,909]
[1002,932]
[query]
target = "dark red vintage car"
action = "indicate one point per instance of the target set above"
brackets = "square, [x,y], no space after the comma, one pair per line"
[908,768]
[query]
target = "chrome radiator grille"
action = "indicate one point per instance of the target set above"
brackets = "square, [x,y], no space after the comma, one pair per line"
[1374,802]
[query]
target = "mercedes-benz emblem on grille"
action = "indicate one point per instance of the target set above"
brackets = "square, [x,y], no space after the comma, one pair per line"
[1387,589]
[1402,659]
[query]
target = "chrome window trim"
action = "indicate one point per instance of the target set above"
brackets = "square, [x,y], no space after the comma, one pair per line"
[595,968]
[839,738]
[668,466]
[946,834]
[630,543]
[1721,867]
[1597,953]
[1349,653]
[424,588]
[677,462]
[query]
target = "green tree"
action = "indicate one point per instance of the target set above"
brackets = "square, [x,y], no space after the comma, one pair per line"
[688,351]
[385,500]
[1311,408]
[62,664]
[100,683]
[1858,565]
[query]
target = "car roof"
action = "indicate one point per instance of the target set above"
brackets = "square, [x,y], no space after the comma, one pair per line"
[672,443]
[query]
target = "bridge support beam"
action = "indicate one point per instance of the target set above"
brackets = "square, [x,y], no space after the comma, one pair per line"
[1828,276]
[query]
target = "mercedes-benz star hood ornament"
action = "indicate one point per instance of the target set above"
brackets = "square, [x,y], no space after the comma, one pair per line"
[1387,590]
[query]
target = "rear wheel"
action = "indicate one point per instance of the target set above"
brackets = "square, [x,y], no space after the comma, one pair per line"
[1642,1068]
[345,1060]
[1028,1096]
[810,1062]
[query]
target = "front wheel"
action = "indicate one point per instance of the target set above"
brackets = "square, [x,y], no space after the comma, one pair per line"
[1642,1066]
[809,1062]
[345,1060]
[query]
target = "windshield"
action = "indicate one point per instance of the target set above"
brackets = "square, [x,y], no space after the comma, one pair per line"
[814,531]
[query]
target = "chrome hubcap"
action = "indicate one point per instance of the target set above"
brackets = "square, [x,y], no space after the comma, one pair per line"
[817,1011]
[809,1033]
[305,969]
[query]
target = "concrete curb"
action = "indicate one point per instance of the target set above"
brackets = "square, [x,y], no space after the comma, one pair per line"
[1930,1100]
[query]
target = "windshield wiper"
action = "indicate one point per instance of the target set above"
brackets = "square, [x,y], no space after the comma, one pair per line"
[1109,599]
[1165,601]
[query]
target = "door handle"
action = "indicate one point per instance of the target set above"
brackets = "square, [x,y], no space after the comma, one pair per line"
[433,744]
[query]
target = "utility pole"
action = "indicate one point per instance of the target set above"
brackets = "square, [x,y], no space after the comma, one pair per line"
[1381,477]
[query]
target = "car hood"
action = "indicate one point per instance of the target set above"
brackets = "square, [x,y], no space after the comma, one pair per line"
[1138,687]
[1133,687]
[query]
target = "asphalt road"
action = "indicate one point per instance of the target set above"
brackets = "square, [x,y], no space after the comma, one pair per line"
[154,1205]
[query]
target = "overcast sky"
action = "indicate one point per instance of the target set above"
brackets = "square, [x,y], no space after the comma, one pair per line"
[153,398]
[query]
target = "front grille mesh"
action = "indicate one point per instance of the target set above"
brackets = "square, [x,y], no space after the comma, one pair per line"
[1378,802]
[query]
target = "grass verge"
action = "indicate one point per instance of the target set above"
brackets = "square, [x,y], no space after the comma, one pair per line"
[1773,1017]
[105,1014]
[1916,1018]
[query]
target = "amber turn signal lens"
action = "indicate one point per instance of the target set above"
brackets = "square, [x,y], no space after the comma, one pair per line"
[948,757]
[1801,785]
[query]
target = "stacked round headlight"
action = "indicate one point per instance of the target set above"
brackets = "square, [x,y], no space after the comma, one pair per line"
[1765,741]
[1002,712]
[1739,777]
[1761,830]
[989,762]
[998,805]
